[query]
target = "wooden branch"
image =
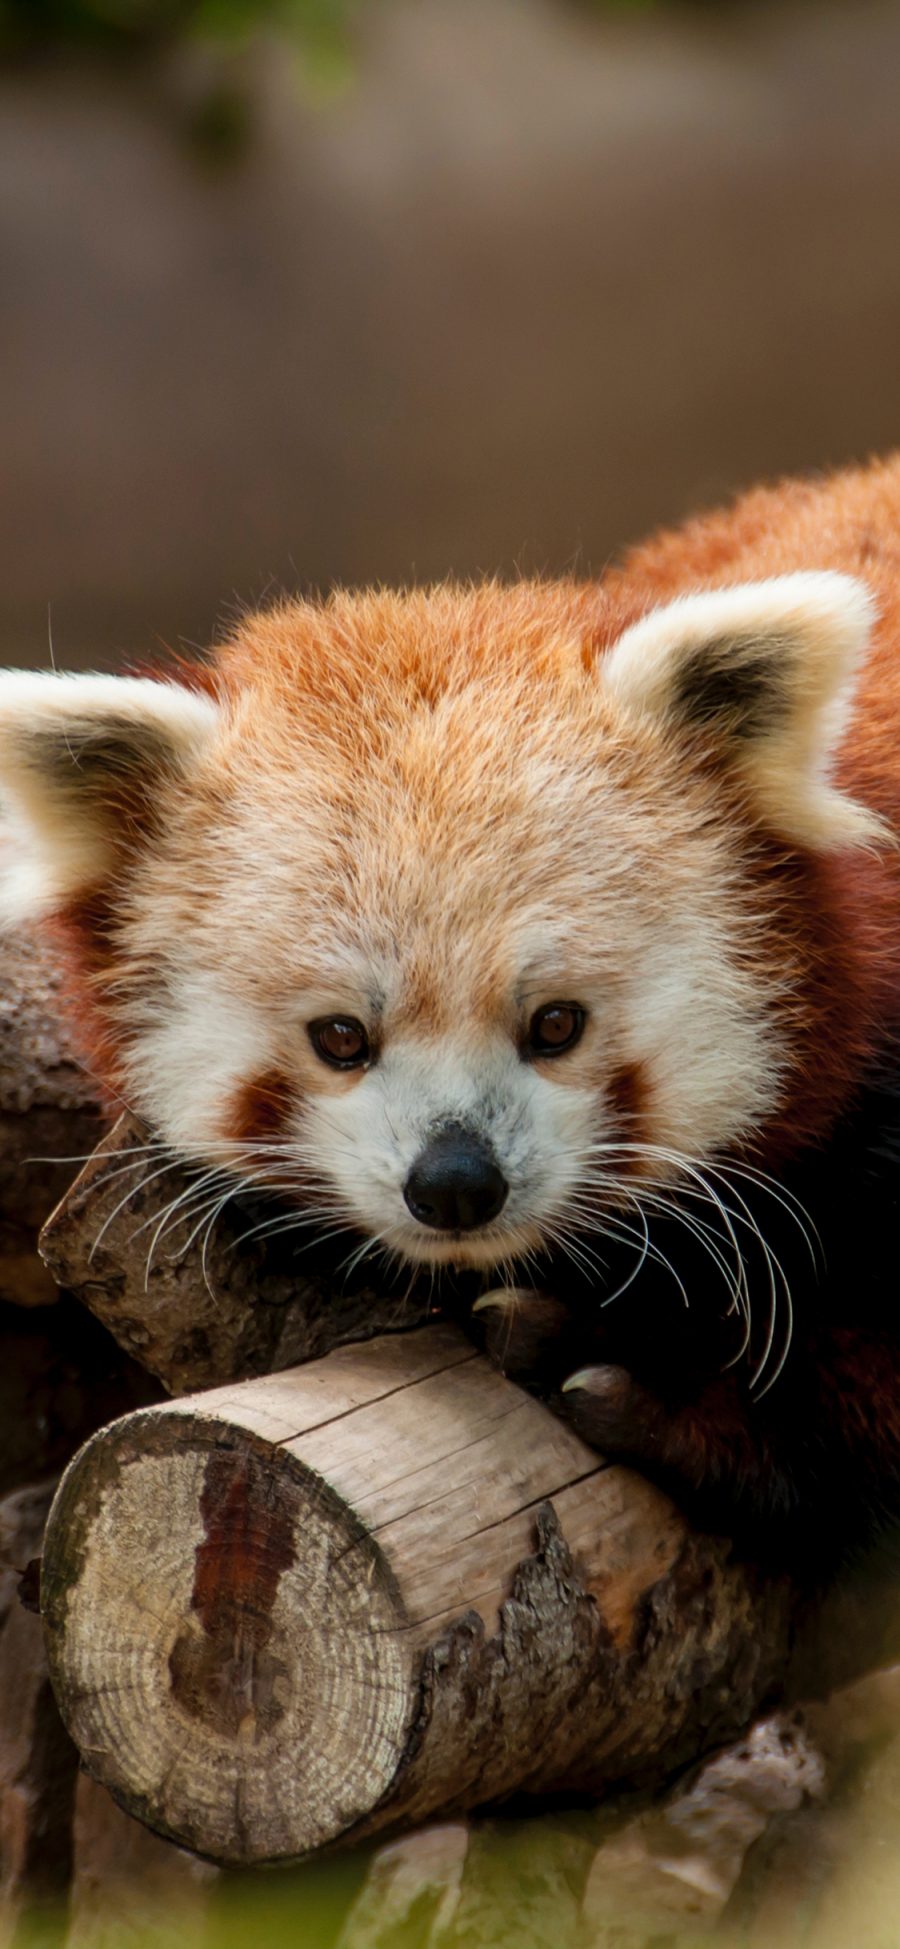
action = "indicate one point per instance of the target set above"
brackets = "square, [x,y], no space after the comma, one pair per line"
[48,1111]
[60,1375]
[198,1306]
[384,1585]
[573,1665]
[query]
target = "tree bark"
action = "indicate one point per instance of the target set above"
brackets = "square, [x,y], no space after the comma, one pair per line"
[380,1587]
[429,1522]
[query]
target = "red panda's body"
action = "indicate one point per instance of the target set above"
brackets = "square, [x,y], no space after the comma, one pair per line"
[530,927]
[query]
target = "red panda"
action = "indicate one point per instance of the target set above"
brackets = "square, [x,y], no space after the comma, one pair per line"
[551,932]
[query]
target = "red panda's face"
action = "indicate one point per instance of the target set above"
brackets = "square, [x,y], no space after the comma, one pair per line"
[441,928]
[487,974]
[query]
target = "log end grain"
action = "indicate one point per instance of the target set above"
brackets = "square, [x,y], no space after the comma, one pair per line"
[225,1640]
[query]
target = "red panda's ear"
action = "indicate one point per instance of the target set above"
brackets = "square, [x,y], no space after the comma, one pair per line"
[761,675]
[82,759]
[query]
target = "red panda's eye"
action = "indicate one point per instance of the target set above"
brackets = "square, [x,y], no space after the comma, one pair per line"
[554,1029]
[340,1041]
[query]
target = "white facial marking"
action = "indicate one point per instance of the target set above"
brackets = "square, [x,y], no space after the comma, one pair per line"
[185,1070]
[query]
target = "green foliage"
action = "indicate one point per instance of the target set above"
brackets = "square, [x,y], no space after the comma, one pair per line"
[215,117]
[123,26]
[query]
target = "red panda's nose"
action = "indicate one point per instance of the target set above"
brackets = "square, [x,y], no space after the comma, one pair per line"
[455,1184]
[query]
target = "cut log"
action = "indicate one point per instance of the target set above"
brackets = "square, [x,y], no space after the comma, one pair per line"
[333,1613]
[383,1586]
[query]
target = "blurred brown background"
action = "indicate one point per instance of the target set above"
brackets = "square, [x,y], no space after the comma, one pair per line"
[536,277]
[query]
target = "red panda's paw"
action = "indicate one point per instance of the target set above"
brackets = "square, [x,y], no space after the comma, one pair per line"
[534,1338]
[530,1336]
[616,1414]
[707,1450]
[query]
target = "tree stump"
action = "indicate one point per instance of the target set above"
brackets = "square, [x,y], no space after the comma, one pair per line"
[382,1586]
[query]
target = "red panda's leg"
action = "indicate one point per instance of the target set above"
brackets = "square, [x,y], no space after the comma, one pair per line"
[532,1337]
[815,1463]
[540,1342]
[712,1445]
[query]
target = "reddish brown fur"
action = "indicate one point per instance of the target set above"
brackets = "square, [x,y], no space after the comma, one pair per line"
[80,936]
[628,1097]
[260,1108]
[839,911]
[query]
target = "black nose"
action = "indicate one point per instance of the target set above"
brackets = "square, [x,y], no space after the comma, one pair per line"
[455,1184]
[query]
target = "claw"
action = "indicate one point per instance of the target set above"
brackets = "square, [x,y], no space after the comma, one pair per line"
[526,1333]
[594,1380]
[503,1298]
[613,1412]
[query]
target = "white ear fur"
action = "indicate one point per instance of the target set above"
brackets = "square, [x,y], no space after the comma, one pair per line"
[72,750]
[765,671]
